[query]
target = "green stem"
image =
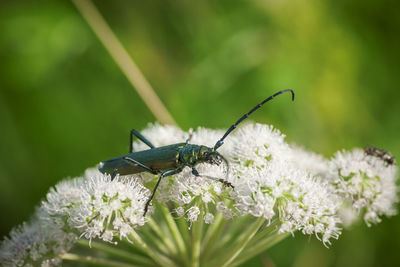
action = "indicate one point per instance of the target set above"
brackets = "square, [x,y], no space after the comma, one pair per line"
[235,228]
[211,236]
[154,242]
[241,242]
[163,237]
[184,230]
[271,228]
[263,245]
[196,241]
[160,259]
[116,252]
[95,261]
[175,232]
[125,62]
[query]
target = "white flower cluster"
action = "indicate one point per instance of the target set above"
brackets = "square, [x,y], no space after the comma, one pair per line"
[367,184]
[92,207]
[270,183]
[97,207]
[300,190]
[309,161]
[35,242]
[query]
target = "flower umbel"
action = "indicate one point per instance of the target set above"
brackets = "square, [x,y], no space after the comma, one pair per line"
[366,183]
[96,207]
[271,185]
[278,189]
[92,207]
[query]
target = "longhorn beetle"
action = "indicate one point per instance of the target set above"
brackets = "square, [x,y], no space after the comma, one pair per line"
[171,159]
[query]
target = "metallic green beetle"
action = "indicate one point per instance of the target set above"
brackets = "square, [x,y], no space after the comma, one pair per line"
[171,159]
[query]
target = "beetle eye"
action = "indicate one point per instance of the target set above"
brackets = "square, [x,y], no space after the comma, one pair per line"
[214,159]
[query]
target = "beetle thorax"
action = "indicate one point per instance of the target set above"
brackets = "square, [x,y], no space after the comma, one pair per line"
[190,155]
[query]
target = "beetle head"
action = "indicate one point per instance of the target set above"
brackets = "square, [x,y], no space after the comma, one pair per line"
[213,157]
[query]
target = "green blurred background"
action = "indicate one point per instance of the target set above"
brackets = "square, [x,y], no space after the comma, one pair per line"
[65,105]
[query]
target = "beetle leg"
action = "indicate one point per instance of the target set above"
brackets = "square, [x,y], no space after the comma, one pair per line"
[115,172]
[137,163]
[164,174]
[140,137]
[225,182]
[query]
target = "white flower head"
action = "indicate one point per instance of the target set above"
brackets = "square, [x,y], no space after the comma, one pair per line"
[180,211]
[225,210]
[38,241]
[365,181]
[270,184]
[257,145]
[208,218]
[192,213]
[97,207]
[294,197]
[309,161]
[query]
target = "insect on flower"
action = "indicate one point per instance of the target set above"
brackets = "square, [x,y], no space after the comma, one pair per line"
[380,153]
[171,159]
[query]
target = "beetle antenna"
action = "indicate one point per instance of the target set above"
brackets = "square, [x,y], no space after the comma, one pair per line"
[220,142]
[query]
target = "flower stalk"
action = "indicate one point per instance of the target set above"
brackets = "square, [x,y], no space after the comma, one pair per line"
[92,260]
[176,234]
[196,242]
[119,253]
[262,245]
[242,242]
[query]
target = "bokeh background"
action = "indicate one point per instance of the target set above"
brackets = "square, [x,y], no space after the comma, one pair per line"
[65,105]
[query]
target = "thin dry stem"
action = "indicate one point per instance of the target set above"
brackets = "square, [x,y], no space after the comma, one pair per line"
[95,20]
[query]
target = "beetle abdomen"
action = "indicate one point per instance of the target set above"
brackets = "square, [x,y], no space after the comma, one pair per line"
[158,159]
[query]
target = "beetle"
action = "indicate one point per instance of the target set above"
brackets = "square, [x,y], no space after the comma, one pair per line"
[171,159]
[380,153]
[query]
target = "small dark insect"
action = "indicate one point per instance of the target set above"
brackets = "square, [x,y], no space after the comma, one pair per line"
[380,153]
[171,159]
